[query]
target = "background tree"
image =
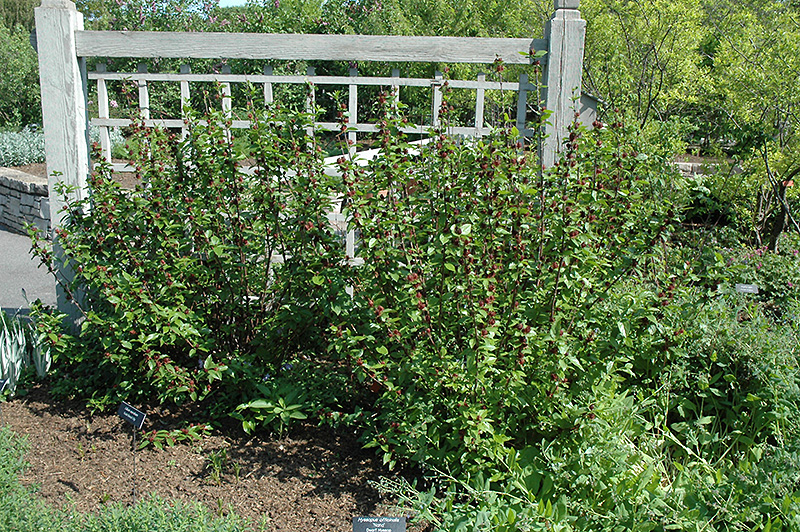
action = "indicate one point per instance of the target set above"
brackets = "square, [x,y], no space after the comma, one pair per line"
[19,79]
[644,57]
[18,13]
[753,54]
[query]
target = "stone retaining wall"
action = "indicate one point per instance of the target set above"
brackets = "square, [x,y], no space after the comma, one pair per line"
[24,200]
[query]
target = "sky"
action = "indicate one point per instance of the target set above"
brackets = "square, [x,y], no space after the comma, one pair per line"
[228,3]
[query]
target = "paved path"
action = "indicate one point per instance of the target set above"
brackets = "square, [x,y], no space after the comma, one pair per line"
[19,271]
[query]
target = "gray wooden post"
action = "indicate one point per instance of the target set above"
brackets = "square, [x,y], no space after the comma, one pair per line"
[62,76]
[565,33]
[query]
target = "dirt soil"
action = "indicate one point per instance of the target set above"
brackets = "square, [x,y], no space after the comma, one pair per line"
[37,169]
[313,479]
[126,180]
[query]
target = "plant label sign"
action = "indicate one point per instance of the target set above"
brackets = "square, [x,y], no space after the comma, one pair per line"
[747,288]
[379,524]
[131,415]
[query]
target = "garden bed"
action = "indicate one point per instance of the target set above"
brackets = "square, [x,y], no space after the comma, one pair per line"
[312,479]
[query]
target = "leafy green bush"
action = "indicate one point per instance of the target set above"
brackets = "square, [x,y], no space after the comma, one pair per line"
[19,79]
[483,283]
[206,278]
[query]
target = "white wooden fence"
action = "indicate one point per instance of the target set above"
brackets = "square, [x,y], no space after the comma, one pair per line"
[63,47]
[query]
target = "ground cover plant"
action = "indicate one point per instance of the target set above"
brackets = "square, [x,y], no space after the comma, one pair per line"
[26,146]
[551,349]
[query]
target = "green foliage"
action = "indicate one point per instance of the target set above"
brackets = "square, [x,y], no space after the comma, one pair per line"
[483,280]
[277,406]
[518,18]
[18,148]
[19,79]
[15,13]
[22,347]
[205,278]
[777,274]
[192,433]
[644,57]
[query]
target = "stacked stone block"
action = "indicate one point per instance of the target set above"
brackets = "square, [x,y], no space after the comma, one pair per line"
[24,200]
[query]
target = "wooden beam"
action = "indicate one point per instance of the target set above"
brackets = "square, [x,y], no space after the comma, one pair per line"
[317,80]
[305,47]
[62,76]
[562,78]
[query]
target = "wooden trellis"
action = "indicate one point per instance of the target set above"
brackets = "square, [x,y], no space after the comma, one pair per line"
[63,47]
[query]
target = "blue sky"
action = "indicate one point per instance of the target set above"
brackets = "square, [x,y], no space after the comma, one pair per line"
[227,3]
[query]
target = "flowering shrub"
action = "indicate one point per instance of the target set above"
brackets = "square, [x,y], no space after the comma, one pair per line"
[541,344]
[204,277]
[484,283]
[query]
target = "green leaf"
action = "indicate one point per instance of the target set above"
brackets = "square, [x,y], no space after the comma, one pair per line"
[259,403]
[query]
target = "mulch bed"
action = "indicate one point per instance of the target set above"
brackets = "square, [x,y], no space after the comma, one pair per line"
[313,479]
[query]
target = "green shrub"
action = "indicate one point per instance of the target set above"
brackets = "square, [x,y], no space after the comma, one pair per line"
[19,79]
[481,293]
[205,279]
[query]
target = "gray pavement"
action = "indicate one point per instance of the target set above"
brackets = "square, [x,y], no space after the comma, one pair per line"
[18,271]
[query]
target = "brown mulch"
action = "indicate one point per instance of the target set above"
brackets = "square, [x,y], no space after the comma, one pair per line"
[37,169]
[313,479]
[126,180]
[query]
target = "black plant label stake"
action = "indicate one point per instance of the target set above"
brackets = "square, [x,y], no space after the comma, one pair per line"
[136,418]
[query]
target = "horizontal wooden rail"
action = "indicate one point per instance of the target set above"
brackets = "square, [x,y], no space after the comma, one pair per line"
[381,48]
[317,80]
[176,123]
